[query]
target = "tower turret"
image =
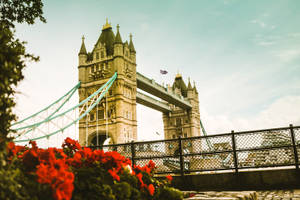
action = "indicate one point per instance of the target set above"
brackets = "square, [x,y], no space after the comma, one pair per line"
[82,60]
[82,55]
[195,89]
[189,90]
[131,49]
[180,85]
[118,45]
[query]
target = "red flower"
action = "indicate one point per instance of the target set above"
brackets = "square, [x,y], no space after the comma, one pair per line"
[151,165]
[139,177]
[14,150]
[114,174]
[170,178]
[73,145]
[151,189]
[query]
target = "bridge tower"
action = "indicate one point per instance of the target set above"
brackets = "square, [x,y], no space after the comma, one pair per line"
[180,122]
[115,116]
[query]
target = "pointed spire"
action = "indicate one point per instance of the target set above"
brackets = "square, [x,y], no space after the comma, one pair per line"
[118,39]
[189,85]
[178,75]
[131,47]
[106,25]
[195,89]
[126,43]
[82,49]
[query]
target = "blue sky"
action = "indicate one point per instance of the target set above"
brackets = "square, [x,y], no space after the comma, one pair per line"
[243,55]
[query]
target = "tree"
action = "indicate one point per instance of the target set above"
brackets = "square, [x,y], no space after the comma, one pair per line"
[13,56]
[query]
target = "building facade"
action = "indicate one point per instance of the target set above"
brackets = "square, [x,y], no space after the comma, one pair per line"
[115,116]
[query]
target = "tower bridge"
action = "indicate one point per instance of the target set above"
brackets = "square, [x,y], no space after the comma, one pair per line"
[108,94]
[179,103]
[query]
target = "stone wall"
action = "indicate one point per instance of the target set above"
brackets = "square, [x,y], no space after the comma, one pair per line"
[250,180]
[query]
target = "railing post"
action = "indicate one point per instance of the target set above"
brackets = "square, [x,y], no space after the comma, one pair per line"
[181,156]
[294,146]
[132,153]
[234,152]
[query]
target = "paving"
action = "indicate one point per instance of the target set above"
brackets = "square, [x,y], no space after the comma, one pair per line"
[244,195]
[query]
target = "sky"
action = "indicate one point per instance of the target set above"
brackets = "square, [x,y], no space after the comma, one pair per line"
[244,56]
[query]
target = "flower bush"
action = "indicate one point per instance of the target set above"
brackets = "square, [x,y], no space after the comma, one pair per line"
[77,173]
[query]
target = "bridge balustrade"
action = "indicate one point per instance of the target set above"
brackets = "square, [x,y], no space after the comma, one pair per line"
[233,152]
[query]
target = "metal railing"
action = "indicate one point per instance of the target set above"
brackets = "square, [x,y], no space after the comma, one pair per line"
[235,151]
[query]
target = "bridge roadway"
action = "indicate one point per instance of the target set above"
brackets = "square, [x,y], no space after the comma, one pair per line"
[150,86]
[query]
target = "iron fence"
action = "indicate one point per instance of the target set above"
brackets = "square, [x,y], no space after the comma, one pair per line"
[233,151]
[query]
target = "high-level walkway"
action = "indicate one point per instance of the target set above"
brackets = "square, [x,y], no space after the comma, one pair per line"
[150,86]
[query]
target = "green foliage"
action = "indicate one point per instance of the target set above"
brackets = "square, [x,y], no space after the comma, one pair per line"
[92,179]
[13,55]
[21,11]
[14,184]
[122,191]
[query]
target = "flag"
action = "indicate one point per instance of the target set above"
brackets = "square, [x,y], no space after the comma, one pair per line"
[163,71]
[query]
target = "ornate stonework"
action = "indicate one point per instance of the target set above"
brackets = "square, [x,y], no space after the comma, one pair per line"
[115,116]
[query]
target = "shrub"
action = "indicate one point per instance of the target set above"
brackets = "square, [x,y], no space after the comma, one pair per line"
[77,173]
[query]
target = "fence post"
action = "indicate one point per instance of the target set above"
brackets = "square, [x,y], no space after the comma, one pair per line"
[234,152]
[180,156]
[294,146]
[132,153]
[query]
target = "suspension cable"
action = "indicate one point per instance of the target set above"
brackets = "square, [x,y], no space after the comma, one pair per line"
[97,137]
[106,114]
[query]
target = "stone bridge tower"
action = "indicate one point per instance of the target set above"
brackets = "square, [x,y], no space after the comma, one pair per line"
[179,122]
[115,115]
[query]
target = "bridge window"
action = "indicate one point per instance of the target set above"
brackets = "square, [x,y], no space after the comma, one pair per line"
[92,117]
[100,114]
[97,55]
[102,54]
[178,121]
[185,135]
[174,136]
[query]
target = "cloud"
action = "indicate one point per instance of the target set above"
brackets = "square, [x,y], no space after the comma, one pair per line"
[150,123]
[281,113]
[265,43]
[263,24]
[288,55]
[294,35]
[260,23]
